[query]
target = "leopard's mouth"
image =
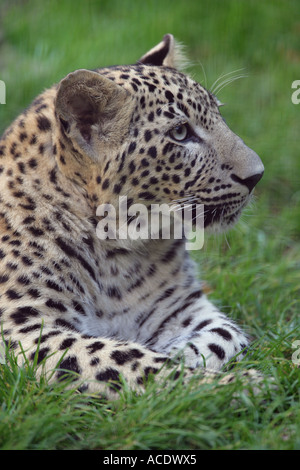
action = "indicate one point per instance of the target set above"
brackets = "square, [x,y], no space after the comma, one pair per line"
[220,218]
[214,217]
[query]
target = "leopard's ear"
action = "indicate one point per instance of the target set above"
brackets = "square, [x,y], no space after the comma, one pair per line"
[92,110]
[168,53]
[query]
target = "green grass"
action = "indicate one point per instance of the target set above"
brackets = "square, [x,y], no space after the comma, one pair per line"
[253,271]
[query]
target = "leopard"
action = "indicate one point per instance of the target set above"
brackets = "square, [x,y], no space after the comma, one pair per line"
[112,310]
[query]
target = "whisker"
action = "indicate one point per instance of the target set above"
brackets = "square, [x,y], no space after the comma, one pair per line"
[192,196]
[203,71]
[223,76]
[198,216]
[227,82]
[166,105]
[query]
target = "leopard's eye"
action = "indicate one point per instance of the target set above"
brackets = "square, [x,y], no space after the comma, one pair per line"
[180,132]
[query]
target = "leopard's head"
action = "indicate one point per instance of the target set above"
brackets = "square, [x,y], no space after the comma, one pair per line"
[148,131]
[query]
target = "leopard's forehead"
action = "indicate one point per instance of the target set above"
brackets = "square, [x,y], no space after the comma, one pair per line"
[167,91]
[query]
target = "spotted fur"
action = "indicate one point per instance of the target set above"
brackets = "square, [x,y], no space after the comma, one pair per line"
[101,308]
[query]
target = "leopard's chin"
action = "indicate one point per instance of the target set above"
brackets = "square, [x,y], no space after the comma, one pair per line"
[218,220]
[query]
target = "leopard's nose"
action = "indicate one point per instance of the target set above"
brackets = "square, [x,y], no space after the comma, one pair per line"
[250,182]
